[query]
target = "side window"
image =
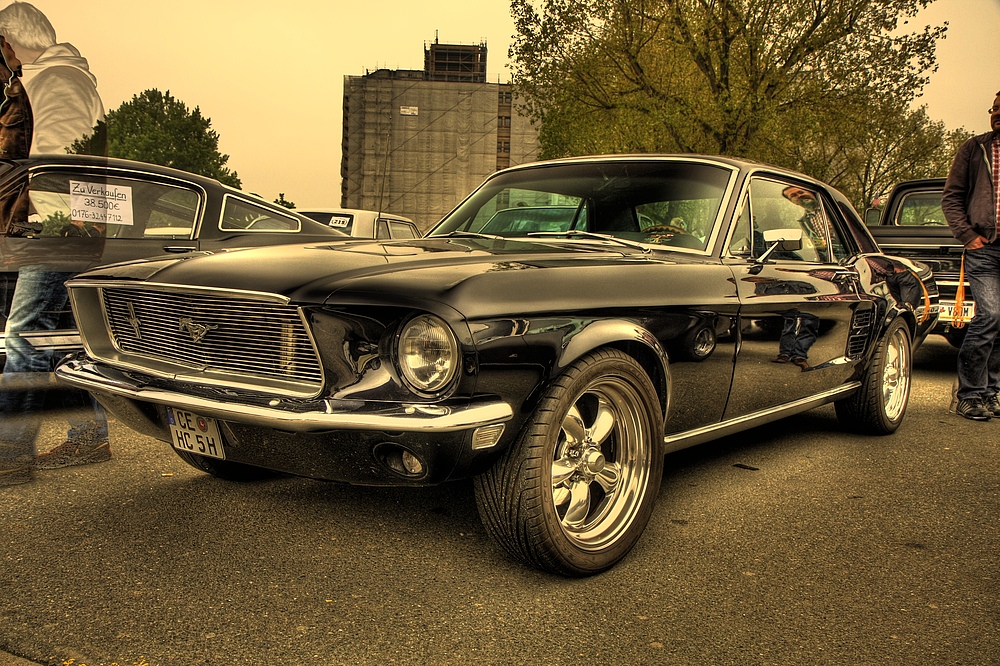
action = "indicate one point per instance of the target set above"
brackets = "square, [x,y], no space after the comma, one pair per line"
[89,204]
[239,215]
[780,205]
[172,213]
[402,230]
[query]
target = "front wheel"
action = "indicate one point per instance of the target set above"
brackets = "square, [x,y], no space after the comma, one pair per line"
[574,493]
[879,405]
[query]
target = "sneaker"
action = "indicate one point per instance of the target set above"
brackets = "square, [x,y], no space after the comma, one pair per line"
[74,453]
[993,404]
[973,408]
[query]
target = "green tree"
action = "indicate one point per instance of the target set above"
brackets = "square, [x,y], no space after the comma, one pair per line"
[794,82]
[157,128]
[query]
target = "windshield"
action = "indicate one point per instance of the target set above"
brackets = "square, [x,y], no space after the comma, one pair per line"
[663,202]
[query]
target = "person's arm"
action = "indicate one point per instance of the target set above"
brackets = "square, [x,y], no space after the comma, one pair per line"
[16,125]
[956,195]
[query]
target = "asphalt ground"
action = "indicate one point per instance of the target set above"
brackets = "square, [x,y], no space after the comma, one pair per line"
[794,543]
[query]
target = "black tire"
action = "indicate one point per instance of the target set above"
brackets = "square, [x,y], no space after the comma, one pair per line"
[226,469]
[878,407]
[575,491]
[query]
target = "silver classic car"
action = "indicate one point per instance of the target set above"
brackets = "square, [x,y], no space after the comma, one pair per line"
[554,357]
[365,223]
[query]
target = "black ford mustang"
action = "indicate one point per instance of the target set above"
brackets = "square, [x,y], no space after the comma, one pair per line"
[554,336]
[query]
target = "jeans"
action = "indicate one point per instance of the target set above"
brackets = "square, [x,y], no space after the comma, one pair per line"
[798,333]
[39,299]
[979,357]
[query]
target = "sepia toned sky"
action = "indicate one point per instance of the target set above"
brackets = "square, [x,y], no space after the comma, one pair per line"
[270,74]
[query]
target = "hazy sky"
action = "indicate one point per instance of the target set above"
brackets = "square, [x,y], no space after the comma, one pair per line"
[270,74]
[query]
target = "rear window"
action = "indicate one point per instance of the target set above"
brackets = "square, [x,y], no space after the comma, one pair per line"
[239,215]
[340,221]
[921,209]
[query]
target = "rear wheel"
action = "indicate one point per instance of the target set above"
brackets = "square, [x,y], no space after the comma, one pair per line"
[879,405]
[574,493]
[225,469]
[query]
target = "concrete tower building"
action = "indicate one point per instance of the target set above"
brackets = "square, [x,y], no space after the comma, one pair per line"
[416,142]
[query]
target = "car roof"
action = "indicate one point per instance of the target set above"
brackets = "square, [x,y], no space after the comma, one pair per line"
[121,164]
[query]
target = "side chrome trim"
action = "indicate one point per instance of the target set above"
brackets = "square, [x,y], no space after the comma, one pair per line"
[324,416]
[682,440]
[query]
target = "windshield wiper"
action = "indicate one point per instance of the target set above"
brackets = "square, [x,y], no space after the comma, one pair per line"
[577,233]
[469,234]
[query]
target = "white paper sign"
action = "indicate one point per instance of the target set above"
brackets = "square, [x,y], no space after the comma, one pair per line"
[100,202]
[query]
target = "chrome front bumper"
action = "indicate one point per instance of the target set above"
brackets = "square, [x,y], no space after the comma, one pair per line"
[314,416]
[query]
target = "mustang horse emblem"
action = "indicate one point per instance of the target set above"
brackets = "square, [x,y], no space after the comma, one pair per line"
[195,330]
[134,321]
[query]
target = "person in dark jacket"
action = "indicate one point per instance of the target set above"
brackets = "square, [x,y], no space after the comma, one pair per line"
[970,203]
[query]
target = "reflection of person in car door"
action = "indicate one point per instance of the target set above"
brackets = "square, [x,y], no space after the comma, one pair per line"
[811,222]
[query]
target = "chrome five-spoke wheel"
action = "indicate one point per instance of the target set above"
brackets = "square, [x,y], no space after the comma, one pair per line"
[574,493]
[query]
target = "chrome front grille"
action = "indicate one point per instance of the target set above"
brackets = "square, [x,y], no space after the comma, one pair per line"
[218,335]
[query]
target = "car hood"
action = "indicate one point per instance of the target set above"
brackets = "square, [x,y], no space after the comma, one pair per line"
[449,270]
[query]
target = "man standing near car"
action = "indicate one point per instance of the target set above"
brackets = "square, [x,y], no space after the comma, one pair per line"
[971,203]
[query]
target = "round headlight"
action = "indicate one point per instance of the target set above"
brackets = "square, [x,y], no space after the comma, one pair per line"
[428,354]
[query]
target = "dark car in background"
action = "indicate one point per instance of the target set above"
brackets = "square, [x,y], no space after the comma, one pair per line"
[681,299]
[74,212]
[911,224]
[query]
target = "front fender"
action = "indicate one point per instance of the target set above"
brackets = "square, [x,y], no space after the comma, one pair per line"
[627,336]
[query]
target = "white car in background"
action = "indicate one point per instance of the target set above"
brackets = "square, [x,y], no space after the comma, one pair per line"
[365,223]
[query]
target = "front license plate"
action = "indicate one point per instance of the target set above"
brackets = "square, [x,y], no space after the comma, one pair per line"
[195,434]
[948,311]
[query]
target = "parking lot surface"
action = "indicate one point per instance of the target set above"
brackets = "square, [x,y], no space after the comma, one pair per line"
[794,543]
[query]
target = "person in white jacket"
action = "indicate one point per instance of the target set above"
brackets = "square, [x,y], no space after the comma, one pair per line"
[63,99]
[60,85]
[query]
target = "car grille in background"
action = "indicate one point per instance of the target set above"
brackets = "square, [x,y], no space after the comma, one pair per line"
[221,334]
